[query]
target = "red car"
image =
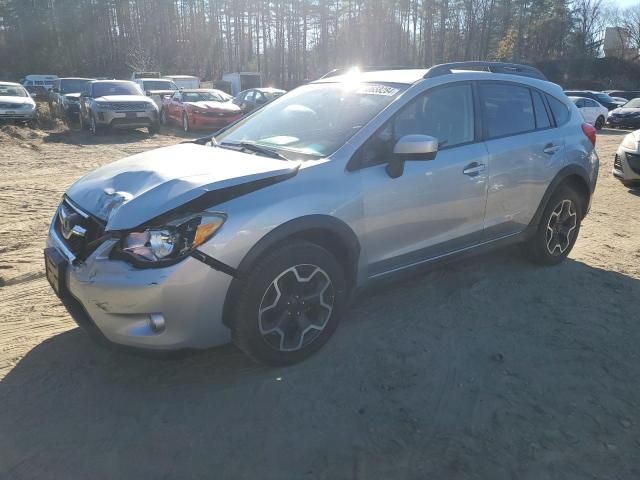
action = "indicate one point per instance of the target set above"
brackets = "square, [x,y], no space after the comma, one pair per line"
[199,108]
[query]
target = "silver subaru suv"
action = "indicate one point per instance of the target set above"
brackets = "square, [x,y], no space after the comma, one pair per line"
[261,234]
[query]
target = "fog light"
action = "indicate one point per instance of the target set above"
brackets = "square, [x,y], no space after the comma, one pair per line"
[156,322]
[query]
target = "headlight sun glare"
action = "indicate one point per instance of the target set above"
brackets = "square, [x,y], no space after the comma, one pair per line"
[159,246]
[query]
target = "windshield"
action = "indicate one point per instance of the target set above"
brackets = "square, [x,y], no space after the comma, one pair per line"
[313,119]
[635,103]
[603,97]
[12,91]
[72,86]
[116,88]
[159,85]
[202,97]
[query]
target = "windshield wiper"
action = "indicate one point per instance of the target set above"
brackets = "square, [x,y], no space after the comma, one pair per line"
[254,147]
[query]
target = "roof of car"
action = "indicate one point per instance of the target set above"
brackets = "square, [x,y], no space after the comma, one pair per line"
[200,90]
[583,91]
[112,81]
[74,78]
[180,76]
[10,83]
[267,89]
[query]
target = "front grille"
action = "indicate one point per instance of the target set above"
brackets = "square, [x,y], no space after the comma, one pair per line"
[617,164]
[80,246]
[12,106]
[128,106]
[634,162]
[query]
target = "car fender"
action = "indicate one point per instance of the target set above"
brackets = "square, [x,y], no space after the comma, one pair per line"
[561,176]
[291,229]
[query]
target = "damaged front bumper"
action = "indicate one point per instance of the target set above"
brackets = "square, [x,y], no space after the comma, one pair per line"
[171,308]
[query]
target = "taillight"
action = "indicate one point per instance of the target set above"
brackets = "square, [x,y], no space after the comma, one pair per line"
[590,131]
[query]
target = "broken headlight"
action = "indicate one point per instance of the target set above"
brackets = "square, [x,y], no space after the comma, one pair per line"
[162,246]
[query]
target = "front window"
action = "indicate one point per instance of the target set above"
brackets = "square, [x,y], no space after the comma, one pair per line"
[635,103]
[202,97]
[159,85]
[603,97]
[72,86]
[12,91]
[314,119]
[115,88]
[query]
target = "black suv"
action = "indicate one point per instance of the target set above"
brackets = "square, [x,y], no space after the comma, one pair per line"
[64,98]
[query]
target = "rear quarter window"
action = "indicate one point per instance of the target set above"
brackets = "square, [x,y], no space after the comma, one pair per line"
[559,110]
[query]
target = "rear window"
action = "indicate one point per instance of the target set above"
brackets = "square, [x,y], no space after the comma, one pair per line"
[560,110]
[507,109]
[542,118]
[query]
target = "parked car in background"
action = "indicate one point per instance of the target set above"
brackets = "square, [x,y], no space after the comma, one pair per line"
[199,108]
[627,116]
[15,103]
[254,98]
[592,111]
[116,104]
[45,81]
[601,98]
[261,233]
[64,97]
[621,100]
[138,75]
[184,81]
[623,94]
[626,163]
[157,88]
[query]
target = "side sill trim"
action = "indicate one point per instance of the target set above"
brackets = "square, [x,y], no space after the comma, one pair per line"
[444,255]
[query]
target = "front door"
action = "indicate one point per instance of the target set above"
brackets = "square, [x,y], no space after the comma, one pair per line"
[436,206]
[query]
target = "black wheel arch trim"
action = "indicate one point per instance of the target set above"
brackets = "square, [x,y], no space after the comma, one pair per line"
[561,176]
[290,229]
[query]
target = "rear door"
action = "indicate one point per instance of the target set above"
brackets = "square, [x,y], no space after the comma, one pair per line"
[436,206]
[525,151]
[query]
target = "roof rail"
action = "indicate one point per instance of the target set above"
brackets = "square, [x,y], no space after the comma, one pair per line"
[340,71]
[493,67]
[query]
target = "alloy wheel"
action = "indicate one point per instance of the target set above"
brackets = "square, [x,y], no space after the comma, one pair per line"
[561,227]
[296,307]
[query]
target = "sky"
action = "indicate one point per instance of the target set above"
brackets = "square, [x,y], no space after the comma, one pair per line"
[624,3]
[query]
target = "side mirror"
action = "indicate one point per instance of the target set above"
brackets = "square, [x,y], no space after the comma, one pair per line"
[411,147]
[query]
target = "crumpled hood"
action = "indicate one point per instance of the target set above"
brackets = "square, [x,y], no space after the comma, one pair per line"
[211,105]
[134,190]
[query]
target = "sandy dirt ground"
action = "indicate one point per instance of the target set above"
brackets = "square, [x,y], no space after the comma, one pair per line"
[487,369]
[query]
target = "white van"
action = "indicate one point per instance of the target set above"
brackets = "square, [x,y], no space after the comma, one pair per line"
[184,81]
[45,81]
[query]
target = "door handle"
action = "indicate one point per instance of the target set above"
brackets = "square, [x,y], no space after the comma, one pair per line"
[550,148]
[473,169]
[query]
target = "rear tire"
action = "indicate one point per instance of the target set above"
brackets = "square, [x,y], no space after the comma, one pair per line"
[599,122]
[290,304]
[558,229]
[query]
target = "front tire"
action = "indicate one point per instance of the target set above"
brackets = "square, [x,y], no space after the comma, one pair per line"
[600,121]
[290,304]
[94,129]
[185,123]
[558,229]
[153,128]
